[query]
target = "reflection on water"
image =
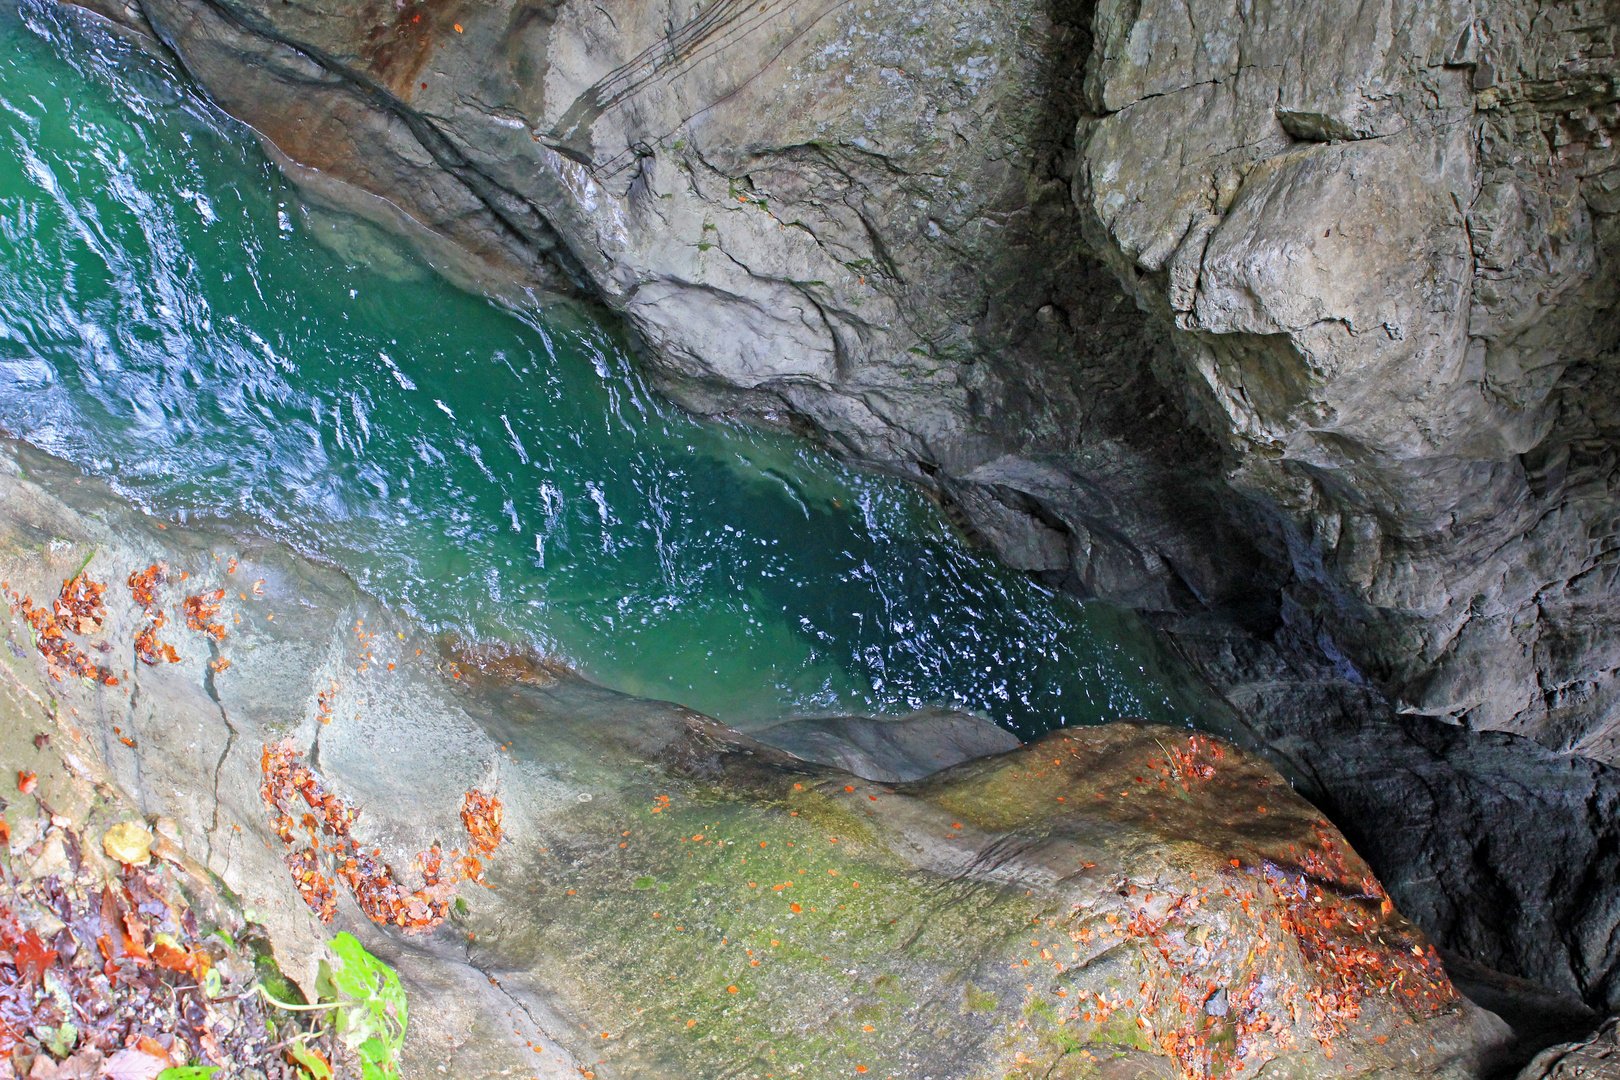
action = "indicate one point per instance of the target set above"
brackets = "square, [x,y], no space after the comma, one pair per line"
[173,319]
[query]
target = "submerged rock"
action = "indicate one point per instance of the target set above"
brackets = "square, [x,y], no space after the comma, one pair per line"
[908,748]
[656,894]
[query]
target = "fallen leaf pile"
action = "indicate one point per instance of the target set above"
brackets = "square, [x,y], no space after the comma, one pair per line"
[143,586]
[1216,1025]
[201,610]
[112,976]
[1330,914]
[1274,941]
[328,853]
[481,814]
[323,704]
[1192,764]
[78,610]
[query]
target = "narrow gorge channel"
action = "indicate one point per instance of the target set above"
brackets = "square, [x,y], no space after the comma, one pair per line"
[802,541]
[181,323]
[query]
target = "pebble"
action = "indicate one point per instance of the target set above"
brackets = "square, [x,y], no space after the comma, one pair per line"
[52,858]
[169,851]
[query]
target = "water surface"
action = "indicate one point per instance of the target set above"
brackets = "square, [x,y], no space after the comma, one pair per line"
[173,319]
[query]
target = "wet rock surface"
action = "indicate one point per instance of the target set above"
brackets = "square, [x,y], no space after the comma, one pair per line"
[1292,326]
[908,748]
[1597,1057]
[669,897]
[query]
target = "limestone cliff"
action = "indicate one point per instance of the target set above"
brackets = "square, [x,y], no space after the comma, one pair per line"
[1292,323]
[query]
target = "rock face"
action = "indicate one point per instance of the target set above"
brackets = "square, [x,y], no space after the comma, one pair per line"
[1596,1057]
[669,898]
[1293,324]
[891,751]
[1293,313]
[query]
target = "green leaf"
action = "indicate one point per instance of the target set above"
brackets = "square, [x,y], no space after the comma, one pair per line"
[213,983]
[188,1072]
[314,1065]
[371,1014]
[60,1041]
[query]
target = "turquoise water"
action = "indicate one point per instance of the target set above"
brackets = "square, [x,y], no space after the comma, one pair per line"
[174,320]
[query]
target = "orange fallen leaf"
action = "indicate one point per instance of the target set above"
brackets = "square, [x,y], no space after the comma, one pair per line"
[171,956]
[148,1045]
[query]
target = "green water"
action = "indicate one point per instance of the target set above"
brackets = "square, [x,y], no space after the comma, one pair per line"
[173,319]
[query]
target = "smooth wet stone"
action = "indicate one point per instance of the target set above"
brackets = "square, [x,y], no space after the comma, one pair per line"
[907,748]
[675,899]
[1596,1058]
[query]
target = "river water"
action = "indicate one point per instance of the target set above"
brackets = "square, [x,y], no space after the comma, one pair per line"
[173,319]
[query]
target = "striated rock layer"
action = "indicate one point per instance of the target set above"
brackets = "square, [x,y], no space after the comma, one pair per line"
[646,892]
[1293,324]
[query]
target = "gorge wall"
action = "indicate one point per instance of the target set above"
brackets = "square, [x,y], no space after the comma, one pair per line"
[1291,324]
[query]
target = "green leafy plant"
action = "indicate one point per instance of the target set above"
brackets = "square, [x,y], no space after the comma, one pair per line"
[188,1072]
[368,1004]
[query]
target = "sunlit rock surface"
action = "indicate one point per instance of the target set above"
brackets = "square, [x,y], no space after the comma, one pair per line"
[672,898]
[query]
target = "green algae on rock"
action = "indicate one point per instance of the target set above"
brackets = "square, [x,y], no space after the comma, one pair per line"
[675,899]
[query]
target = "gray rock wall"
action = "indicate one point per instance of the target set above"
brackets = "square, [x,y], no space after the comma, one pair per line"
[1287,312]
[1291,323]
[1386,236]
